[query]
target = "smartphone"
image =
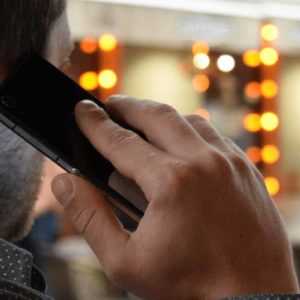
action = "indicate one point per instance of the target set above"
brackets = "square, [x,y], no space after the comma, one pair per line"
[37,102]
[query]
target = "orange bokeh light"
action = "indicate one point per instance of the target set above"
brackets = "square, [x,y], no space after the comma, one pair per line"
[270,154]
[269,88]
[254,154]
[203,113]
[107,79]
[89,81]
[200,47]
[251,58]
[269,121]
[252,122]
[269,56]
[272,185]
[108,42]
[253,90]
[89,45]
[201,83]
[269,32]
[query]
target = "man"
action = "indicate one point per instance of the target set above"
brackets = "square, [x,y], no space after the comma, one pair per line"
[210,230]
[26,25]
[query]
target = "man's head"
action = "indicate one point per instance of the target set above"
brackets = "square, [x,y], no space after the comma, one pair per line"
[26,25]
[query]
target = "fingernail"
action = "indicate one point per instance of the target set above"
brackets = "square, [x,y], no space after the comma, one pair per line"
[63,189]
[88,106]
[115,97]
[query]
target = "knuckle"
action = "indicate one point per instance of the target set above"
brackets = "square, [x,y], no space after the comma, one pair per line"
[121,137]
[164,109]
[101,116]
[82,219]
[221,162]
[239,163]
[176,174]
[195,120]
[159,108]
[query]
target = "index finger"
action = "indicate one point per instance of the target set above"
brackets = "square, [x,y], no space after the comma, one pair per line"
[131,155]
[160,123]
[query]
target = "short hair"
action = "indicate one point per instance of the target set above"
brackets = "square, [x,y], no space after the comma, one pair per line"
[25,27]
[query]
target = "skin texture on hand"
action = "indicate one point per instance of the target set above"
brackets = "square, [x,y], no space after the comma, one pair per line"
[210,229]
[46,201]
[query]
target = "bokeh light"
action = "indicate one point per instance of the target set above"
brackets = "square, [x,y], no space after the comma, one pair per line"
[201,83]
[253,90]
[272,185]
[269,56]
[108,42]
[88,45]
[200,47]
[251,58]
[226,63]
[107,79]
[202,112]
[201,61]
[269,121]
[269,88]
[254,154]
[89,81]
[270,154]
[252,122]
[269,32]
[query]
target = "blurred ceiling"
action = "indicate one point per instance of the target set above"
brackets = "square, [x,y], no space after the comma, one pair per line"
[232,25]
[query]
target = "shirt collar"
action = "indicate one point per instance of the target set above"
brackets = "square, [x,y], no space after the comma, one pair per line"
[16,266]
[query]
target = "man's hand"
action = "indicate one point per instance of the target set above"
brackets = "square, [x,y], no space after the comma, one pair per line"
[210,229]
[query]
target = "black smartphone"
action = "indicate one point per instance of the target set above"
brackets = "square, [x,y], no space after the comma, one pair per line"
[37,102]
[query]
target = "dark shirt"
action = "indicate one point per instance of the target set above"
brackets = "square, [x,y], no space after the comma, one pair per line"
[19,278]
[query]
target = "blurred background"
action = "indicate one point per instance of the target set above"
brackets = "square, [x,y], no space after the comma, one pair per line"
[234,62]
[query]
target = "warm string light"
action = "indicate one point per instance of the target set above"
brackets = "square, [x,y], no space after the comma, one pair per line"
[201,83]
[226,63]
[203,113]
[200,47]
[272,185]
[269,88]
[252,122]
[270,154]
[201,61]
[269,32]
[88,45]
[269,121]
[251,58]
[89,81]
[107,42]
[269,56]
[107,79]
[253,91]
[254,154]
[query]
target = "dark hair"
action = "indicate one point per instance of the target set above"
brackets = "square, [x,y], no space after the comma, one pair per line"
[25,26]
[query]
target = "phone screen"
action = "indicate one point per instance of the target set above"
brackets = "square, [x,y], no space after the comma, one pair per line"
[37,102]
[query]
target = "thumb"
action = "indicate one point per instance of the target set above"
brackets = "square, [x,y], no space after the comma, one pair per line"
[92,216]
